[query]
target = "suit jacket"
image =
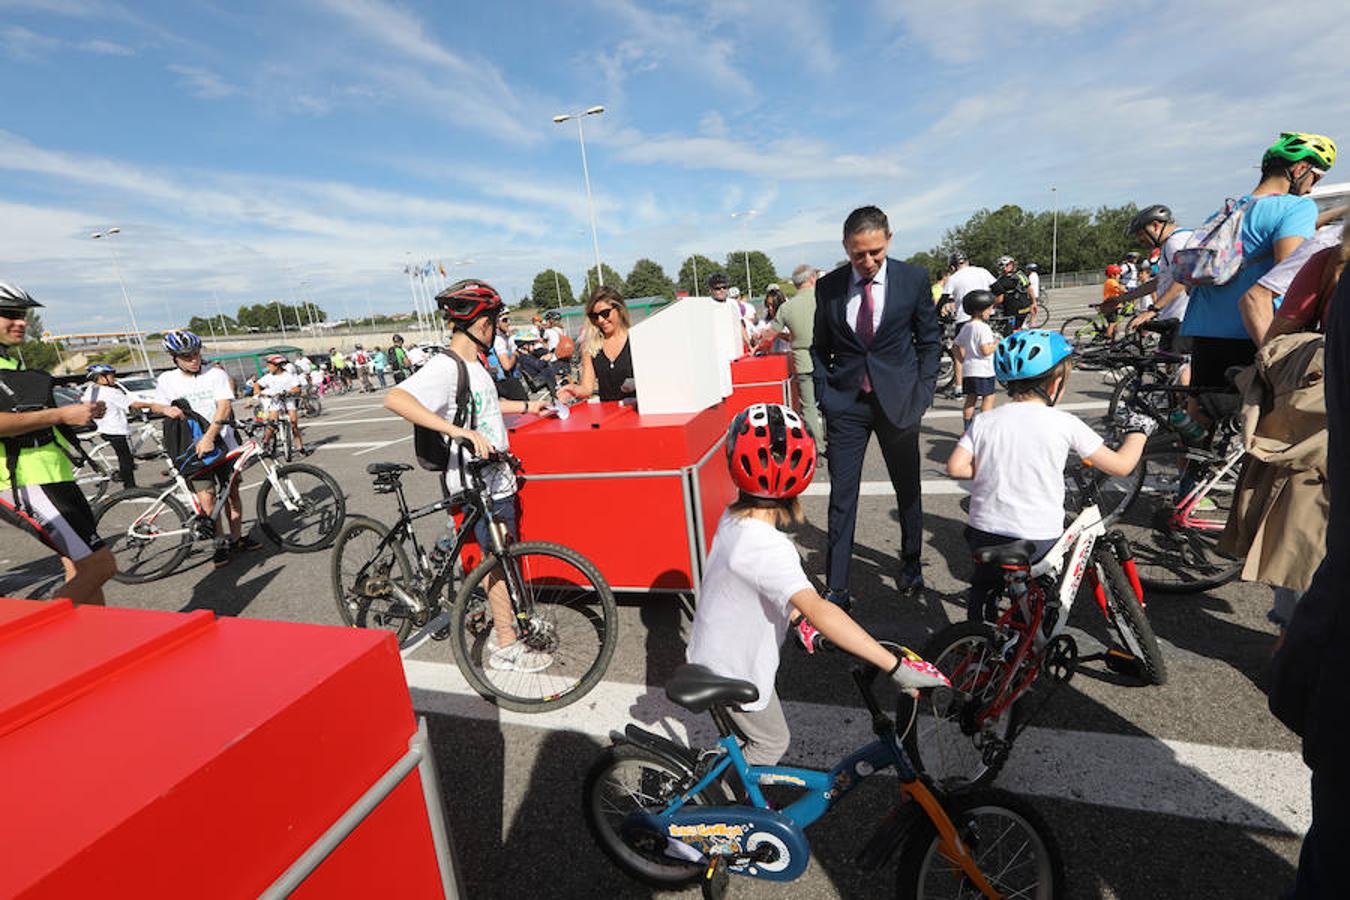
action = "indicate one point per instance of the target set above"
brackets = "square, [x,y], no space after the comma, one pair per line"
[903,358]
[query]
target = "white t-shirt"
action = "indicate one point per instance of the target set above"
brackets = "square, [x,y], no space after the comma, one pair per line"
[1020,451]
[116,401]
[743,603]
[969,338]
[303,365]
[552,336]
[1279,278]
[202,392]
[1034,284]
[416,357]
[1177,308]
[275,388]
[434,386]
[963,281]
[1129,276]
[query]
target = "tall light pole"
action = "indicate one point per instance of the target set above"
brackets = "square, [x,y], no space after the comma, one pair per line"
[746,216]
[1054,240]
[281,318]
[117,266]
[586,175]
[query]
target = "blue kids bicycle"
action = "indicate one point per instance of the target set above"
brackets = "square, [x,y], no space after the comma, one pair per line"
[661,811]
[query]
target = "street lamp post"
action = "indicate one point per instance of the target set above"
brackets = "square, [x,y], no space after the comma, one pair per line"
[281,318]
[1054,240]
[586,176]
[746,216]
[117,266]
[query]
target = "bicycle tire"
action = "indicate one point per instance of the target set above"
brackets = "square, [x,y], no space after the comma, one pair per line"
[135,565]
[973,814]
[946,747]
[313,405]
[1041,317]
[1128,618]
[1122,395]
[1081,331]
[366,601]
[325,525]
[1173,559]
[946,369]
[659,781]
[92,475]
[471,627]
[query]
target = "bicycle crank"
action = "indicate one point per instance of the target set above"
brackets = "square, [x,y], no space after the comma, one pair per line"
[1059,660]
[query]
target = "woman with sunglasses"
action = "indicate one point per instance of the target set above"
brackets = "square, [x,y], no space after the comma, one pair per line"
[606,362]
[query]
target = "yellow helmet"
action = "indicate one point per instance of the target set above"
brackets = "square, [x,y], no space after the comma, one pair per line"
[1318,149]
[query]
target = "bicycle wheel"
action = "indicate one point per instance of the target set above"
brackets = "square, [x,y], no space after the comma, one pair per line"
[306,513]
[1009,840]
[368,578]
[313,405]
[1128,618]
[568,627]
[946,370]
[1081,331]
[951,746]
[148,442]
[628,779]
[1172,557]
[94,474]
[1122,395]
[149,534]
[1040,318]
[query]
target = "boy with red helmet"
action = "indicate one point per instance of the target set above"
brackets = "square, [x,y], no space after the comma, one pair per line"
[428,398]
[754,585]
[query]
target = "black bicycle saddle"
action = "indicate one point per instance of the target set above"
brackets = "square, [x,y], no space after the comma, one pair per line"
[696,688]
[384,468]
[1017,553]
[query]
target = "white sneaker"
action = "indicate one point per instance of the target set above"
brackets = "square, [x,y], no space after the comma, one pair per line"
[516,657]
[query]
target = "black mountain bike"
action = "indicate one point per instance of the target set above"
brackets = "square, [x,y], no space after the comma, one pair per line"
[560,606]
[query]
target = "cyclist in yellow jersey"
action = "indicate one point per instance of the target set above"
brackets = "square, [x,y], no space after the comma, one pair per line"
[38,493]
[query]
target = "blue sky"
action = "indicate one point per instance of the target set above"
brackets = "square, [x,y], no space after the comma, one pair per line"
[245,148]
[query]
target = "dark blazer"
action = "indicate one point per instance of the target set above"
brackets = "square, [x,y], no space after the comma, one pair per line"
[903,358]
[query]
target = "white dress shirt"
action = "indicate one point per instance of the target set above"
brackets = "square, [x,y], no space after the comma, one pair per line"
[855,298]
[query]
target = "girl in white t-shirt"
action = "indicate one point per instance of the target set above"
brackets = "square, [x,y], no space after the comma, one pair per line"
[754,585]
[974,348]
[1016,455]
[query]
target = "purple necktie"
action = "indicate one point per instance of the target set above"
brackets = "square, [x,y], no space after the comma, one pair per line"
[863,328]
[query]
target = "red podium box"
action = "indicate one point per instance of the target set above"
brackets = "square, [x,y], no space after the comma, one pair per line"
[639,495]
[152,754]
[761,379]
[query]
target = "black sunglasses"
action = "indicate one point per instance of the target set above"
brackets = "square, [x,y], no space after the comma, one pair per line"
[14,313]
[598,314]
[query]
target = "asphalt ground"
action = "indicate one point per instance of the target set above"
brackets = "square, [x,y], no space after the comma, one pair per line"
[1190,789]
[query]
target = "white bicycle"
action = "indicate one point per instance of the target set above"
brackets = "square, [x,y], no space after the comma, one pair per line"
[300,507]
[993,666]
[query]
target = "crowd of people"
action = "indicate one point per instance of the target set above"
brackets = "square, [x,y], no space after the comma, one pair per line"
[1254,287]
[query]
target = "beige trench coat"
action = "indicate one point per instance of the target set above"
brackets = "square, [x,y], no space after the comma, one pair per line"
[1279,516]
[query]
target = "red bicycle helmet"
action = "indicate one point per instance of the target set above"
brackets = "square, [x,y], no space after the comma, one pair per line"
[275,359]
[1113,270]
[770,452]
[464,301]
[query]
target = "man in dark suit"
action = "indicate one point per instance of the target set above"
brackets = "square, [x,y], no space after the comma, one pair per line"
[875,352]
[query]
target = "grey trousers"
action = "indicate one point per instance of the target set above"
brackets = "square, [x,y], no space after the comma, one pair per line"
[766,732]
[806,391]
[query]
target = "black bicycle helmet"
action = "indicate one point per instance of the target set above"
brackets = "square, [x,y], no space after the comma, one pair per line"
[1147,216]
[466,301]
[976,302]
[955,258]
[718,280]
[1031,267]
[14,297]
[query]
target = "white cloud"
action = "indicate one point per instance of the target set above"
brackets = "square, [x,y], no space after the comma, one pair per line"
[18,42]
[203,83]
[668,40]
[791,159]
[107,48]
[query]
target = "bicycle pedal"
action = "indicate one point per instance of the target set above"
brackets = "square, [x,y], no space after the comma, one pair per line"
[1122,661]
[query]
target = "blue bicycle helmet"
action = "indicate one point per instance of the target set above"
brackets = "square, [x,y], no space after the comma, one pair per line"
[1029,354]
[182,343]
[98,369]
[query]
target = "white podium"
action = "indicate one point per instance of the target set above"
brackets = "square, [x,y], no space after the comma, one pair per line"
[682,355]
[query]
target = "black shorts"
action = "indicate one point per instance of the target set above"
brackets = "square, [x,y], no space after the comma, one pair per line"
[56,514]
[979,386]
[1211,358]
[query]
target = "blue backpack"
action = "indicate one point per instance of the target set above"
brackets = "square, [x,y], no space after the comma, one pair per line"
[180,440]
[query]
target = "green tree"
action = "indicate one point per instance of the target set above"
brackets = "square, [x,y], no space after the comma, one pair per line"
[694,272]
[612,279]
[35,352]
[545,289]
[761,272]
[648,279]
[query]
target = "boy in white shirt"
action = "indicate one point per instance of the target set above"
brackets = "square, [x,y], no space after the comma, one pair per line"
[754,582]
[103,388]
[428,399]
[280,392]
[207,391]
[974,349]
[1016,456]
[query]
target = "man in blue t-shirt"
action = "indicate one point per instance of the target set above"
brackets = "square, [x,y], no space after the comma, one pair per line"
[1281,218]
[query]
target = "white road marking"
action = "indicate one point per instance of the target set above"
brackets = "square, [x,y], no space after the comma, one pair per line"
[929,486]
[1264,789]
[323,423]
[349,445]
[384,444]
[1082,405]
